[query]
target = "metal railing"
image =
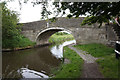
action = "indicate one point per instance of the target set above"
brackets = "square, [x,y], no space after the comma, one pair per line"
[117,49]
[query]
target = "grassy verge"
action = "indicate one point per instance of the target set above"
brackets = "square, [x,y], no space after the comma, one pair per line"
[109,66]
[57,38]
[71,70]
[96,50]
[107,63]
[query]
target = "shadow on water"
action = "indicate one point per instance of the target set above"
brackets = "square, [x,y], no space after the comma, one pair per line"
[32,63]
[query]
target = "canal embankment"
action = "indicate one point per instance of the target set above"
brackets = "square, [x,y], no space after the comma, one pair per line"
[27,47]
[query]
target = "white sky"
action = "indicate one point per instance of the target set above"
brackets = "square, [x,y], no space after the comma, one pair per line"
[28,13]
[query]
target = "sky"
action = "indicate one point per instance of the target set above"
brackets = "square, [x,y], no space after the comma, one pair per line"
[28,13]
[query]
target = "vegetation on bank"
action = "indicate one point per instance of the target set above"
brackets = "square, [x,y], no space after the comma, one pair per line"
[108,64]
[18,42]
[60,36]
[96,50]
[11,32]
[72,69]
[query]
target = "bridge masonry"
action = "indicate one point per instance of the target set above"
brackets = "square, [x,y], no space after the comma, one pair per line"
[39,32]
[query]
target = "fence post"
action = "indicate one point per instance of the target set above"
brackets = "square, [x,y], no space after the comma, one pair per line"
[117,49]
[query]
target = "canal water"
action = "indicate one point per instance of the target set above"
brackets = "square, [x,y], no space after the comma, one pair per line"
[33,63]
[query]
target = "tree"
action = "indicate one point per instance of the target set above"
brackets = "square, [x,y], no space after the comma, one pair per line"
[96,12]
[9,26]
[11,37]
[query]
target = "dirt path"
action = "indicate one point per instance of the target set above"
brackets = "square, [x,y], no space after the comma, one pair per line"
[90,67]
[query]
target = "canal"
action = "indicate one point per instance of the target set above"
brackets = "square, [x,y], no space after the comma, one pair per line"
[33,63]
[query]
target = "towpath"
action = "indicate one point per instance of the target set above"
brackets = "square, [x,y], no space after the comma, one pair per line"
[90,67]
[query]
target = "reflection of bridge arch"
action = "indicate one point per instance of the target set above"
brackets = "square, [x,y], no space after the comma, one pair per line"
[43,36]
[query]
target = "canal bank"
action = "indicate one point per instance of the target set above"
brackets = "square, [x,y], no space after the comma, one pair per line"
[36,46]
[24,48]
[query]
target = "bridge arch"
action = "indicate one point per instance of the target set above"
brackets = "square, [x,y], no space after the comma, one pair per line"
[43,36]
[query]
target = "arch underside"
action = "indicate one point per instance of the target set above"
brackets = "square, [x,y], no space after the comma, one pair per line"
[43,37]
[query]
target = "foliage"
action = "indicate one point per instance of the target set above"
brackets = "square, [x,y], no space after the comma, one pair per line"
[71,70]
[61,33]
[108,65]
[58,38]
[11,37]
[98,11]
[9,23]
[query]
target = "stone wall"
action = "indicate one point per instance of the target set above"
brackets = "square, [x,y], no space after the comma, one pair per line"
[90,35]
[111,35]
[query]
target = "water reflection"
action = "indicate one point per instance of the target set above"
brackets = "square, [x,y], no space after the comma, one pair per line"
[57,50]
[32,63]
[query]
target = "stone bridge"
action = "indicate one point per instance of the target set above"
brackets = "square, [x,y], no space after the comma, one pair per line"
[39,32]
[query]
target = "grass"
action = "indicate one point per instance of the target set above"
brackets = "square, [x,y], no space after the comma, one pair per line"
[108,64]
[57,38]
[96,50]
[71,70]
